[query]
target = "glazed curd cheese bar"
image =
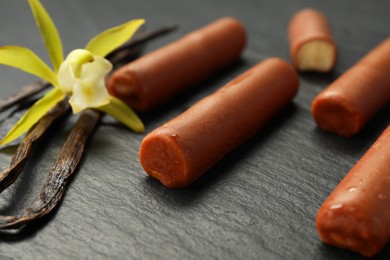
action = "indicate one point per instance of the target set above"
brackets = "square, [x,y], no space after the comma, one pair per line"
[180,151]
[158,76]
[356,215]
[353,99]
[312,47]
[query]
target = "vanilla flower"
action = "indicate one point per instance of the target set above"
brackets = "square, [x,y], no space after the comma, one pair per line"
[81,76]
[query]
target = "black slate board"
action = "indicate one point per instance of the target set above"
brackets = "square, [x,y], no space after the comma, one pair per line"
[259,202]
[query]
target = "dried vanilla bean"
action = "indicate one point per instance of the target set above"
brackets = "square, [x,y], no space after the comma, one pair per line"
[9,175]
[22,94]
[67,162]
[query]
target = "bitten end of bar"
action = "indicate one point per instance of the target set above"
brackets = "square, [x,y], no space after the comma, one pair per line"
[162,158]
[315,55]
[334,114]
[124,86]
[339,225]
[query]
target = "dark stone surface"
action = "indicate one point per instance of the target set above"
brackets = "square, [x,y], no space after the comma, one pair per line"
[259,202]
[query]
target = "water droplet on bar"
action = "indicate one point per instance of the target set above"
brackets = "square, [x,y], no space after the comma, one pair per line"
[336,206]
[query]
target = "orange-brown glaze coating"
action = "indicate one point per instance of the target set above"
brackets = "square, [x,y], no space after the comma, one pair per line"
[156,77]
[356,216]
[312,47]
[348,103]
[180,151]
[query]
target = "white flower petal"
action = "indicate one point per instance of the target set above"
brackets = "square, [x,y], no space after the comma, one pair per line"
[66,78]
[75,105]
[89,94]
[96,69]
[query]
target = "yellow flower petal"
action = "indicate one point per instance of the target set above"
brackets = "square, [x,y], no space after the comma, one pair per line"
[111,39]
[49,33]
[124,114]
[24,59]
[38,110]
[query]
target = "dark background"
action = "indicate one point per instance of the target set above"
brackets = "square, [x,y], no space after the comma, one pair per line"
[259,202]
